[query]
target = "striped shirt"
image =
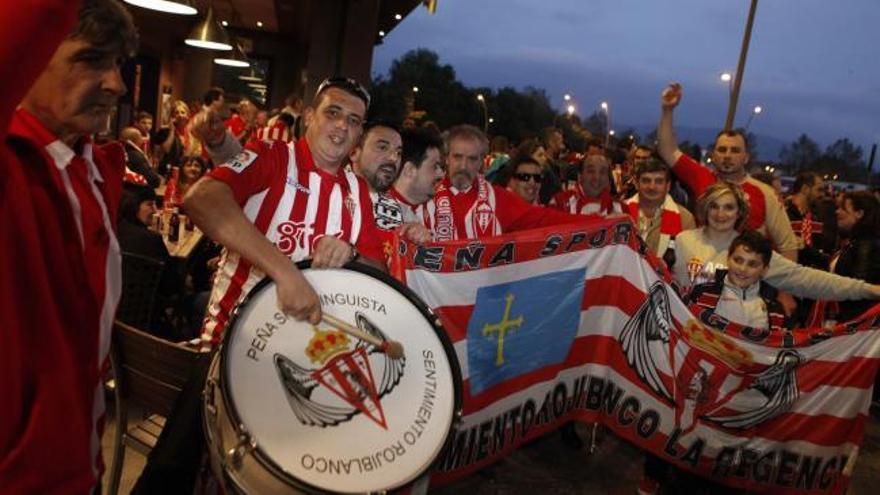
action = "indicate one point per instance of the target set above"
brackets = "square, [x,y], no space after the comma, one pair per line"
[293,203]
[273,132]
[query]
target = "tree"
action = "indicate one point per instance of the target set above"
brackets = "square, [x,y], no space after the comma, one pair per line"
[596,123]
[801,154]
[844,152]
[519,115]
[445,100]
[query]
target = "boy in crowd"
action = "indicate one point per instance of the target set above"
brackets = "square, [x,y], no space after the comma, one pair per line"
[739,296]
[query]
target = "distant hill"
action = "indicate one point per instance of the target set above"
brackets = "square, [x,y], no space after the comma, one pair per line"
[768,146]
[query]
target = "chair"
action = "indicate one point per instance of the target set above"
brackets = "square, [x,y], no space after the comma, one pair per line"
[149,372]
[140,290]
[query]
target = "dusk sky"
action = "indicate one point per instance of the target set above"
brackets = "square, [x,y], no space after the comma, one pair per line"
[814,65]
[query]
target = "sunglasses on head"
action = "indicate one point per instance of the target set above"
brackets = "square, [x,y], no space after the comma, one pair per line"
[525,177]
[346,84]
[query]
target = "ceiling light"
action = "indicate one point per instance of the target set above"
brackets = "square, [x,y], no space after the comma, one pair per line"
[259,24]
[224,23]
[235,58]
[381,33]
[208,34]
[250,77]
[183,7]
[398,16]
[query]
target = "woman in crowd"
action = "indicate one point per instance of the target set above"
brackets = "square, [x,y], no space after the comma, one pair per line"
[191,170]
[136,211]
[176,139]
[722,211]
[858,218]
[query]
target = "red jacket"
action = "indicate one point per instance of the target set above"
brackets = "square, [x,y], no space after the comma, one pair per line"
[55,264]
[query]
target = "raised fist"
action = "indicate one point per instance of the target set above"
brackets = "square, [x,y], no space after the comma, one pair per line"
[208,127]
[671,96]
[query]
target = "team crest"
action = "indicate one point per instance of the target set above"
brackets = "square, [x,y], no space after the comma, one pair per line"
[343,382]
[350,205]
[704,373]
[484,218]
[694,266]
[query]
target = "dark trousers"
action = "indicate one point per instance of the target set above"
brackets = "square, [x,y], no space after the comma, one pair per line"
[173,464]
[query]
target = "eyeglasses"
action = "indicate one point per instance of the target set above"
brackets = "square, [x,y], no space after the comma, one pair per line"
[346,84]
[525,177]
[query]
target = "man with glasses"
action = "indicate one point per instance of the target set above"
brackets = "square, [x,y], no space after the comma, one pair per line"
[274,204]
[657,216]
[730,157]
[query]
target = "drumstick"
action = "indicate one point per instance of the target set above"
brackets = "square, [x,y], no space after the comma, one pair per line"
[391,348]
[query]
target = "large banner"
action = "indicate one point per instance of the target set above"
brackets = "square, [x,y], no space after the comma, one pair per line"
[569,323]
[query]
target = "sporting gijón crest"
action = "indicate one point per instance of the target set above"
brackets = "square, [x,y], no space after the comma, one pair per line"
[356,377]
[703,373]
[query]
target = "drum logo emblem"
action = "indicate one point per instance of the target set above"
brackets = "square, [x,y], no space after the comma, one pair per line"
[348,374]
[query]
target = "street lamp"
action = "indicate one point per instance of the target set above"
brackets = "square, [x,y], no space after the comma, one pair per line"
[482,101]
[607,109]
[415,89]
[755,111]
[570,109]
[728,78]
[566,97]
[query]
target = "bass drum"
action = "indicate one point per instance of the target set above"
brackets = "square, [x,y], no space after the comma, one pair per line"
[292,407]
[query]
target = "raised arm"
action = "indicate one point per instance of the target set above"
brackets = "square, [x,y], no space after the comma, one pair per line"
[667,143]
[212,206]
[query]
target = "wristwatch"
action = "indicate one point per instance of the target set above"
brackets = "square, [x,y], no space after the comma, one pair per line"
[354,253]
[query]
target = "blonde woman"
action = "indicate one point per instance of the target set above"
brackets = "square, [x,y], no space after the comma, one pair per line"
[177,138]
[721,212]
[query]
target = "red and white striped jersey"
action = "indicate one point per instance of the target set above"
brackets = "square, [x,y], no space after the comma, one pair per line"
[273,132]
[293,203]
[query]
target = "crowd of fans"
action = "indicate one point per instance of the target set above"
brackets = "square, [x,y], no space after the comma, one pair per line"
[244,176]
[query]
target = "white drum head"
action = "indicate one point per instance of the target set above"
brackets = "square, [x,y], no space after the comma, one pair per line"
[329,410]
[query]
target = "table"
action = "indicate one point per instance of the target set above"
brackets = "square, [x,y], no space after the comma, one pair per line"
[186,242]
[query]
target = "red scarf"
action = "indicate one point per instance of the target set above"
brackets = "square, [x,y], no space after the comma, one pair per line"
[479,221]
[670,220]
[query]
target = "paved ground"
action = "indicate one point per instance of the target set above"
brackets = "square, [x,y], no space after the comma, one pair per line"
[546,466]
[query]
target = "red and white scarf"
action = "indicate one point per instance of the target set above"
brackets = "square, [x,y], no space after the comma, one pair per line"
[579,203]
[670,220]
[479,221]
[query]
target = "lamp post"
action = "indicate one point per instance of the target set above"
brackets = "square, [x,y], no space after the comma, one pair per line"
[607,109]
[755,111]
[482,101]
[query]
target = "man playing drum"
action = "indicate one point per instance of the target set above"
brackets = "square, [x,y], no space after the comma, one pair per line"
[275,204]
